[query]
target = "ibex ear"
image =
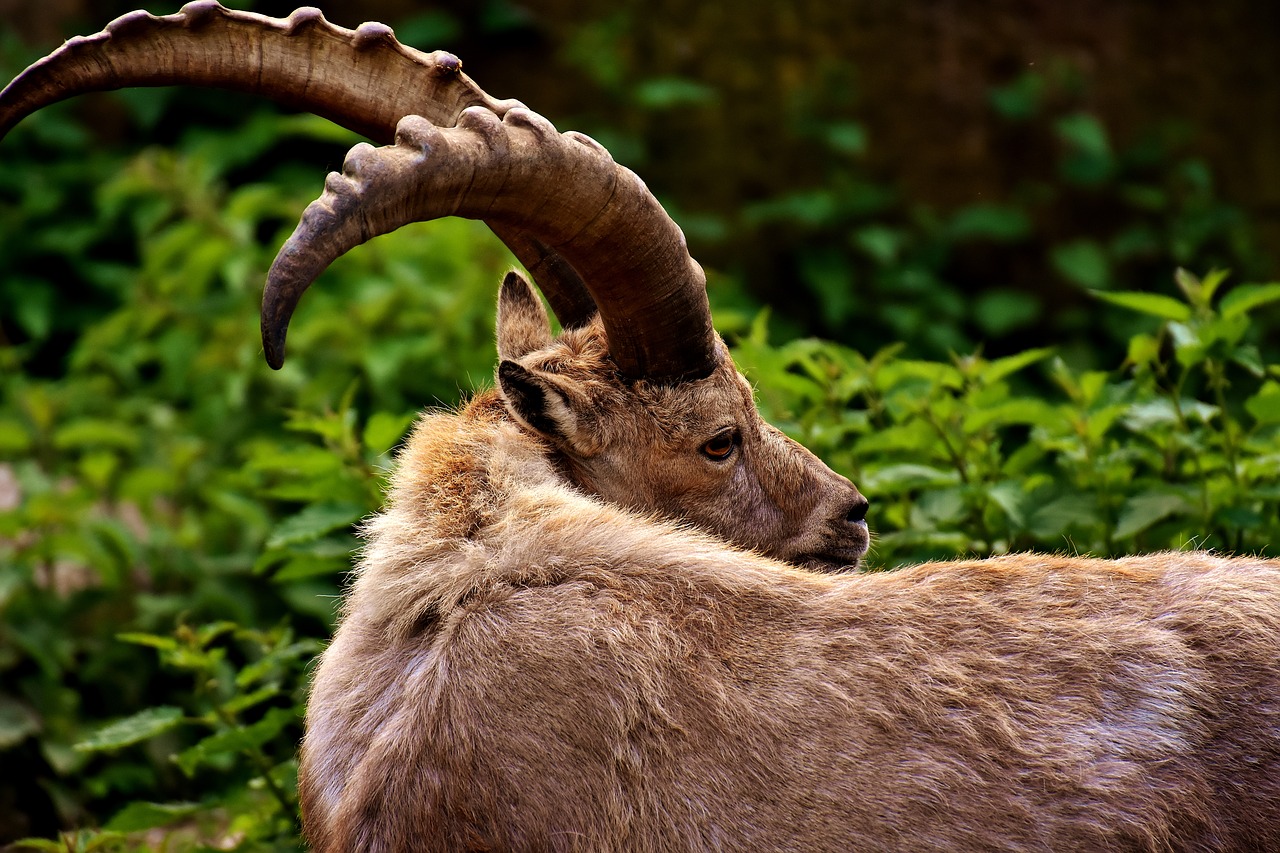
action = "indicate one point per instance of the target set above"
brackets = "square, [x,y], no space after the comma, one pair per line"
[536,401]
[523,325]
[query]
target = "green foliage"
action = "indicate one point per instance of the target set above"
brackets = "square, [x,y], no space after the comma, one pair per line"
[1176,449]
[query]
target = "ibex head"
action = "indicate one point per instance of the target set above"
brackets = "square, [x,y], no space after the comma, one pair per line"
[696,450]
[638,399]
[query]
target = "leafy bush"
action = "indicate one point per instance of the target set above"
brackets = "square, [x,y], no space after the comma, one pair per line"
[1176,449]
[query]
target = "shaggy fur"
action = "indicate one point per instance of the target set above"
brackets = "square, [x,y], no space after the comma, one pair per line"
[525,663]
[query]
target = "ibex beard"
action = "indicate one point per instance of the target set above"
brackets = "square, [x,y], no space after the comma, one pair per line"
[598,611]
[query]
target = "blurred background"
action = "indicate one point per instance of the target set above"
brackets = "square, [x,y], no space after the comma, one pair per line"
[941,237]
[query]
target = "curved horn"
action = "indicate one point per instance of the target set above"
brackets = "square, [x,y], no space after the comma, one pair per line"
[362,79]
[564,189]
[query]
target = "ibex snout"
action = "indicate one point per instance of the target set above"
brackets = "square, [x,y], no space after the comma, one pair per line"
[856,514]
[846,536]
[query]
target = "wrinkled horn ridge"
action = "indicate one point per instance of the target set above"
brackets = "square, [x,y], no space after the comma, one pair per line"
[563,190]
[362,79]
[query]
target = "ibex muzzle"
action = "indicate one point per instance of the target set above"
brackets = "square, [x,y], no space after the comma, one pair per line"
[587,620]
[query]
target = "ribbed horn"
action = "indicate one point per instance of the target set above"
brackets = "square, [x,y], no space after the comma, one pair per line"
[362,79]
[564,190]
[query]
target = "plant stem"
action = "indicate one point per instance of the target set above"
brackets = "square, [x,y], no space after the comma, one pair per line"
[263,766]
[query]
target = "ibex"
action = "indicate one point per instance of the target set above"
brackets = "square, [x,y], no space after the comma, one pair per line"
[599,611]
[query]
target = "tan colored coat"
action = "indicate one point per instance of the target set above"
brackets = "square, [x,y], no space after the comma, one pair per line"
[525,667]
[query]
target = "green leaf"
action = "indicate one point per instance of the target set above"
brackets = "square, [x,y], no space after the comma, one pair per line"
[136,817]
[1190,346]
[244,701]
[139,727]
[1088,160]
[999,312]
[1248,357]
[153,640]
[235,740]
[845,137]
[14,437]
[1084,132]
[1141,511]
[666,92]
[1264,406]
[313,522]
[1155,304]
[907,476]
[1020,99]
[1082,262]
[1011,497]
[1058,516]
[1143,349]
[17,722]
[880,242]
[40,844]
[1000,223]
[309,565]
[1027,411]
[384,430]
[1210,283]
[1190,285]
[1002,367]
[95,432]
[1143,416]
[1246,297]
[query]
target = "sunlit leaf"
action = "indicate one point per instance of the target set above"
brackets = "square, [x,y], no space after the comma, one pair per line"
[138,816]
[235,740]
[384,429]
[1245,297]
[1264,406]
[1155,304]
[1143,510]
[1000,368]
[313,522]
[139,727]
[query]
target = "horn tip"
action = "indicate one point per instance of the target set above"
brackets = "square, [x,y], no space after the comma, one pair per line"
[273,345]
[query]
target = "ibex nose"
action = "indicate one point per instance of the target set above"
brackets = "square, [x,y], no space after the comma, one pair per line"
[857,511]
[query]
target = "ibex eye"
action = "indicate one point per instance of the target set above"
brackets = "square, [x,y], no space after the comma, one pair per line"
[721,446]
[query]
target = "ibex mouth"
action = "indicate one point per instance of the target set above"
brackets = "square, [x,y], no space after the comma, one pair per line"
[846,548]
[832,560]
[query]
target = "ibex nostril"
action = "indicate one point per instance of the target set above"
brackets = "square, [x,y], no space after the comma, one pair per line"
[857,510]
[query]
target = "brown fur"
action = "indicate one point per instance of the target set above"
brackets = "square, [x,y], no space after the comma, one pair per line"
[527,662]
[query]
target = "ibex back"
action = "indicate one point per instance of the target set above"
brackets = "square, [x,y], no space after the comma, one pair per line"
[602,608]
